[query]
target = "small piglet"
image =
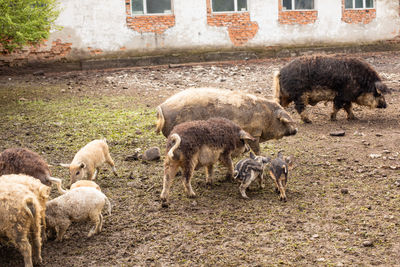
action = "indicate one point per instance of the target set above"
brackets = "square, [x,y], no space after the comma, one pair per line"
[88,160]
[76,205]
[278,171]
[249,169]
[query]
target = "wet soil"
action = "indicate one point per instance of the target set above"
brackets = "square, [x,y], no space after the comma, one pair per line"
[343,205]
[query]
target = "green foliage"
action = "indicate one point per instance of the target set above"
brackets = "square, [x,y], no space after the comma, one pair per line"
[25,22]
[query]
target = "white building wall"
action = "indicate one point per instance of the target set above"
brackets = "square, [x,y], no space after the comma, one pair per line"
[101,24]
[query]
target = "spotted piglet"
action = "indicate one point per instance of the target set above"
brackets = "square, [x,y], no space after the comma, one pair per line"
[249,169]
[278,170]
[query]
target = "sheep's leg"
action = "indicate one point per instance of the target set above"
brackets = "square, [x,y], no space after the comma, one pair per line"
[209,174]
[110,162]
[187,177]
[37,244]
[25,249]
[43,222]
[101,224]
[95,218]
[227,161]
[170,170]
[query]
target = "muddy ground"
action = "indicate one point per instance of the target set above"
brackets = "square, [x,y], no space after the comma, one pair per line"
[343,204]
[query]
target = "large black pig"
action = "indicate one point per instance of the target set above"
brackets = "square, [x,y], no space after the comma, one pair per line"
[309,80]
[263,119]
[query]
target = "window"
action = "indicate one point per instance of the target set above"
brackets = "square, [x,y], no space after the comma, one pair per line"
[151,7]
[229,5]
[297,4]
[359,4]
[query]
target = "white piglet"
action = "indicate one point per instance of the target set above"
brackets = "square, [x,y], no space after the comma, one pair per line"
[77,205]
[88,160]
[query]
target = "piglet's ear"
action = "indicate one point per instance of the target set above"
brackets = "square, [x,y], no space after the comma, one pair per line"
[82,165]
[246,136]
[252,156]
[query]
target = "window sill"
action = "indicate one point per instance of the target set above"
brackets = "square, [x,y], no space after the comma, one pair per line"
[229,12]
[299,10]
[372,8]
[151,14]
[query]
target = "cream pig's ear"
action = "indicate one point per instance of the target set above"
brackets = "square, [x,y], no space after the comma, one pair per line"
[82,165]
[282,116]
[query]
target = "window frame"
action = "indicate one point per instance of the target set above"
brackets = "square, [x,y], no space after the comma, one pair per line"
[235,4]
[359,8]
[294,7]
[145,13]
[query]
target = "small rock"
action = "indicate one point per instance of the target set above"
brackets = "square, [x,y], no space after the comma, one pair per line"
[124,87]
[344,191]
[38,73]
[152,154]
[357,133]
[378,134]
[368,243]
[397,183]
[375,156]
[337,133]
[320,259]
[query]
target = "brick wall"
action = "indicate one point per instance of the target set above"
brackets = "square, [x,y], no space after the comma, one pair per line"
[240,28]
[148,23]
[363,16]
[57,51]
[296,16]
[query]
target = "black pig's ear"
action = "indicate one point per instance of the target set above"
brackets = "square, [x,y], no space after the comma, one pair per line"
[252,156]
[381,88]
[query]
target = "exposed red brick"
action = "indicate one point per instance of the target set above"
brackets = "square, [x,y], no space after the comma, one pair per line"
[296,16]
[38,52]
[363,16]
[240,28]
[151,23]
